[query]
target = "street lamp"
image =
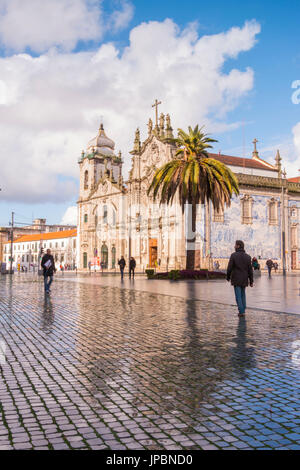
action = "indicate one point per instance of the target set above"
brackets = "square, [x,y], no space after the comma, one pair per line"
[11,241]
[283,254]
[129,227]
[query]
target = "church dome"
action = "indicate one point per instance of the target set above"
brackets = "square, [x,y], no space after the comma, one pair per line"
[101,144]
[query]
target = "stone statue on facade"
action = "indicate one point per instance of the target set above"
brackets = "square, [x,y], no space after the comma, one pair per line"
[150,127]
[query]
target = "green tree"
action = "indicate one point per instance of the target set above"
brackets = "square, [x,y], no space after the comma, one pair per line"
[196,178]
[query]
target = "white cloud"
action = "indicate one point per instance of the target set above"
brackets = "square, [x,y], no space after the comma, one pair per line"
[50,106]
[121,18]
[70,216]
[294,162]
[42,24]
[289,148]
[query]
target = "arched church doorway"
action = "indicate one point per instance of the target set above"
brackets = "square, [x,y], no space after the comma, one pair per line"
[153,252]
[113,257]
[84,260]
[104,255]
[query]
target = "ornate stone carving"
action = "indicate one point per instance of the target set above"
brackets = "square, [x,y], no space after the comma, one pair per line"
[105,187]
[266,182]
[247,203]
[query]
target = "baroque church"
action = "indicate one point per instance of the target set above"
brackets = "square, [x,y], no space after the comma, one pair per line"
[118,218]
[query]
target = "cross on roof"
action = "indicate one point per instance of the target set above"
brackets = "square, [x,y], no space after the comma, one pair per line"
[155,105]
[101,121]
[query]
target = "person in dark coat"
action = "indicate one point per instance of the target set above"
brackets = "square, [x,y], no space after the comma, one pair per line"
[132,265]
[122,264]
[48,266]
[240,273]
[270,265]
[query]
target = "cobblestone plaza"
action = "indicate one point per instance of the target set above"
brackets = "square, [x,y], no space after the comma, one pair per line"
[102,367]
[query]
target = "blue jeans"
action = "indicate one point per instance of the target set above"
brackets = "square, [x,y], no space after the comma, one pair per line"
[240,297]
[46,283]
[122,272]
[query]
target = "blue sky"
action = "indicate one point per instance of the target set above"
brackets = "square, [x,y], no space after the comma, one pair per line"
[37,131]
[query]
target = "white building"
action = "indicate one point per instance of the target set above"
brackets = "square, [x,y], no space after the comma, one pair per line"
[28,249]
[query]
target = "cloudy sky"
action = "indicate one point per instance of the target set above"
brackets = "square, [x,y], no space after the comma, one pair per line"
[66,63]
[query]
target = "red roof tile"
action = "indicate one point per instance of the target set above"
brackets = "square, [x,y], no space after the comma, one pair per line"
[238,161]
[47,236]
[294,180]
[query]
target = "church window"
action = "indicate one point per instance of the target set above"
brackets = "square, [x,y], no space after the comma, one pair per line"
[86,179]
[294,236]
[273,212]
[294,212]
[105,214]
[247,202]
[85,218]
[218,215]
[96,220]
[114,218]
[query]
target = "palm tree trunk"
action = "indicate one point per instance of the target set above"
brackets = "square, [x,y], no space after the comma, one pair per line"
[191,237]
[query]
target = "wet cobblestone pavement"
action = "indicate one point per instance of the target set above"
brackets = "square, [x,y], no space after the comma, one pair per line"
[96,367]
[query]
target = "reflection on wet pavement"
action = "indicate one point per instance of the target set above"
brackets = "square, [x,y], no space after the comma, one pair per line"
[108,368]
[278,294]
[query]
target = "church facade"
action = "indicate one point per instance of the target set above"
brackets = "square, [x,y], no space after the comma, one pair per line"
[116,219]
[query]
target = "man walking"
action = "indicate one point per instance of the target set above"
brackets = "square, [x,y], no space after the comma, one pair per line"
[132,265]
[48,266]
[122,264]
[270,265]
[240,272]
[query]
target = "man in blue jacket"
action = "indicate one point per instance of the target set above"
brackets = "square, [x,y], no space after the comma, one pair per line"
[240,272]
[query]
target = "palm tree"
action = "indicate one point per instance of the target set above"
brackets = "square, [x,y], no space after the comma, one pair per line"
[196,178]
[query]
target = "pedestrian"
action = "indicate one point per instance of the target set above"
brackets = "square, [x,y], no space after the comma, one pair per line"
[275,267]
[240,272]
[48,266]
[255,264]
[132,265]
[122,264]
[270,265]
[216,265]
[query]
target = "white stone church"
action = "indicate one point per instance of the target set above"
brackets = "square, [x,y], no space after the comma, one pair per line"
[117,218]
